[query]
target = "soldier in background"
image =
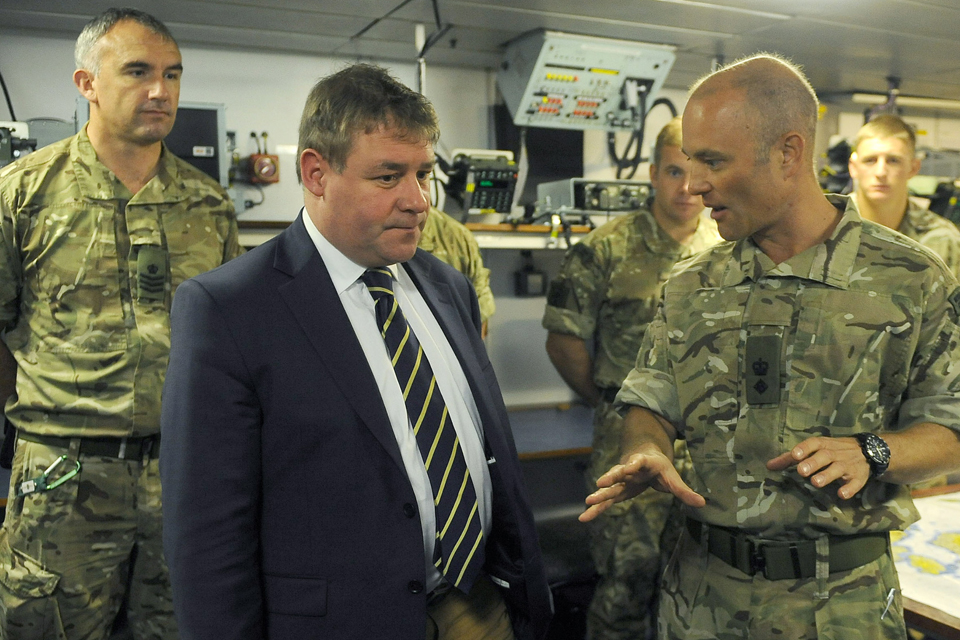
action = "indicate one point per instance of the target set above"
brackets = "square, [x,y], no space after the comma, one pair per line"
[808,364]
[452,242]
[96,233]
[606,294]
[883,160]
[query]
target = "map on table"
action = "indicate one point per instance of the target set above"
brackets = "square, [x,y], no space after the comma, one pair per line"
[927,554]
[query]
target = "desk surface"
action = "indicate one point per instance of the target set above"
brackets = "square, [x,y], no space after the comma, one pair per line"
[927,560]
[553,430]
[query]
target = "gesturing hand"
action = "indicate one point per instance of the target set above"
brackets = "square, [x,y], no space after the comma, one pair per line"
[824,460]
[647,468]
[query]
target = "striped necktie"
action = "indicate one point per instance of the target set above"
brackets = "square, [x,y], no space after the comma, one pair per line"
[459,546]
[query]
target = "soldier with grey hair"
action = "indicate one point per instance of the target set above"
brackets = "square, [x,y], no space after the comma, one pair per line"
[810,365]
[96,233]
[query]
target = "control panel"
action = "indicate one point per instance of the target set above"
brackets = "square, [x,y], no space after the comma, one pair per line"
[582,194]
[483,181]
[568,81]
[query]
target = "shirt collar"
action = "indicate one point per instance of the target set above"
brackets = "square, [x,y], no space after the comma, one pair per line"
[99,183]
[343,271]
[654,237]
[830,262]
[918,218]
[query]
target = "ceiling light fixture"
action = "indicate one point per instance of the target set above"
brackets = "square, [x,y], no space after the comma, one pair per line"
[719,7]
[907,101]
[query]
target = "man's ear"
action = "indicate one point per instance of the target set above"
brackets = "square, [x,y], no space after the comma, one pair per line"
[792,145]
[313,171]
[914,167]
[852,165]
[84,81]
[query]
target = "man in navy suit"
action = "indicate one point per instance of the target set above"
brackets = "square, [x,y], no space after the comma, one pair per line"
[297,503]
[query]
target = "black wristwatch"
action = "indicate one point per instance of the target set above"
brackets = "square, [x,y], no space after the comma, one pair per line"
[876,451]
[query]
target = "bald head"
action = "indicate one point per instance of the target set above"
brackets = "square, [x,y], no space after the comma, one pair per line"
[775,95]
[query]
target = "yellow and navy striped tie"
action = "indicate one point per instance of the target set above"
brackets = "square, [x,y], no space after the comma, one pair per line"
[459,547]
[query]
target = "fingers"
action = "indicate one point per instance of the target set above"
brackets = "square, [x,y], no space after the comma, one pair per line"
[616,474]
[625,481]
[827,460]
[594,511]
[638,468]
[604,498]
[674,484]
[781,462]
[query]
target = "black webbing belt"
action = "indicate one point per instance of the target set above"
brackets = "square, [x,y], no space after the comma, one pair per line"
[782,560]
[122,448]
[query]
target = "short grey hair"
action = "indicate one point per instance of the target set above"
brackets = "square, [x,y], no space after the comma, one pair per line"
[86,54]
[778,90]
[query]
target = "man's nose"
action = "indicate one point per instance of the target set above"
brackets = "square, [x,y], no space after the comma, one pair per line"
[159,89]
[414,197]
[696,183]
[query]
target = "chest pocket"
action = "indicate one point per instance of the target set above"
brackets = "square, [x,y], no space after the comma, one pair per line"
[705,359]
[194,243]
[78,281]
[633,294]
[850,359]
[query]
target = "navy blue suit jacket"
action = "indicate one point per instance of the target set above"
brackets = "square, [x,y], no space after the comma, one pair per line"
[287,510]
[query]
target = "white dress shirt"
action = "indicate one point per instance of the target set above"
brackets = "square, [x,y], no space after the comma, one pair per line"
[359,307]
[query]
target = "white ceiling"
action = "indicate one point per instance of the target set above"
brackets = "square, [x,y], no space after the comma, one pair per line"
[844,45]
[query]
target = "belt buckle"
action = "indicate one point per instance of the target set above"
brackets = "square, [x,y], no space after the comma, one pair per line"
[758,560]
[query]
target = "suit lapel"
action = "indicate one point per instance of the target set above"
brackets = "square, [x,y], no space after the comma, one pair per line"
[438,296]
[314,303]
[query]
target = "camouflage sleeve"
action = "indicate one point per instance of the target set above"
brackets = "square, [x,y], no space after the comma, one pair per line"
[933,393]
[575,295]
[229,231]
[947,246]
[481,283]
[472,267]
[453,243]
[10,267]
[231,242]
[650,384]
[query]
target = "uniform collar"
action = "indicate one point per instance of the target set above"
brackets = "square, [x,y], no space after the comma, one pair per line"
[654,237]
[918,218]
[96,182]
[830,262]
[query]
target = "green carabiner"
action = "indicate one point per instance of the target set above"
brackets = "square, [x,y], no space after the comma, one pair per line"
[59,481]
[39,483]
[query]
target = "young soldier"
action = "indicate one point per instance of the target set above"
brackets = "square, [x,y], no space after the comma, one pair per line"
[882,163]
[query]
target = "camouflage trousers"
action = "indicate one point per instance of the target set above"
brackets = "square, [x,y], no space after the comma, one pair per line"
[630,544]
[69,555]
[702,598]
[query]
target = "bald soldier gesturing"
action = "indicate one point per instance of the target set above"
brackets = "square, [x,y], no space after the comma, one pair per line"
[808,364]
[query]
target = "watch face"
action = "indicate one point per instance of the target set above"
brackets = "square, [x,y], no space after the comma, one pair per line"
[878,450]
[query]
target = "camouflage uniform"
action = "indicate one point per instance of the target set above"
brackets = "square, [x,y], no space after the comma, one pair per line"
[606,293]
[943,238]
[453,243]
[858,334]
[932,231]
[87,273]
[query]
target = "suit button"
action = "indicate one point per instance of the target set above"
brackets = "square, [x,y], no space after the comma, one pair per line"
[415,586]
[409,510]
